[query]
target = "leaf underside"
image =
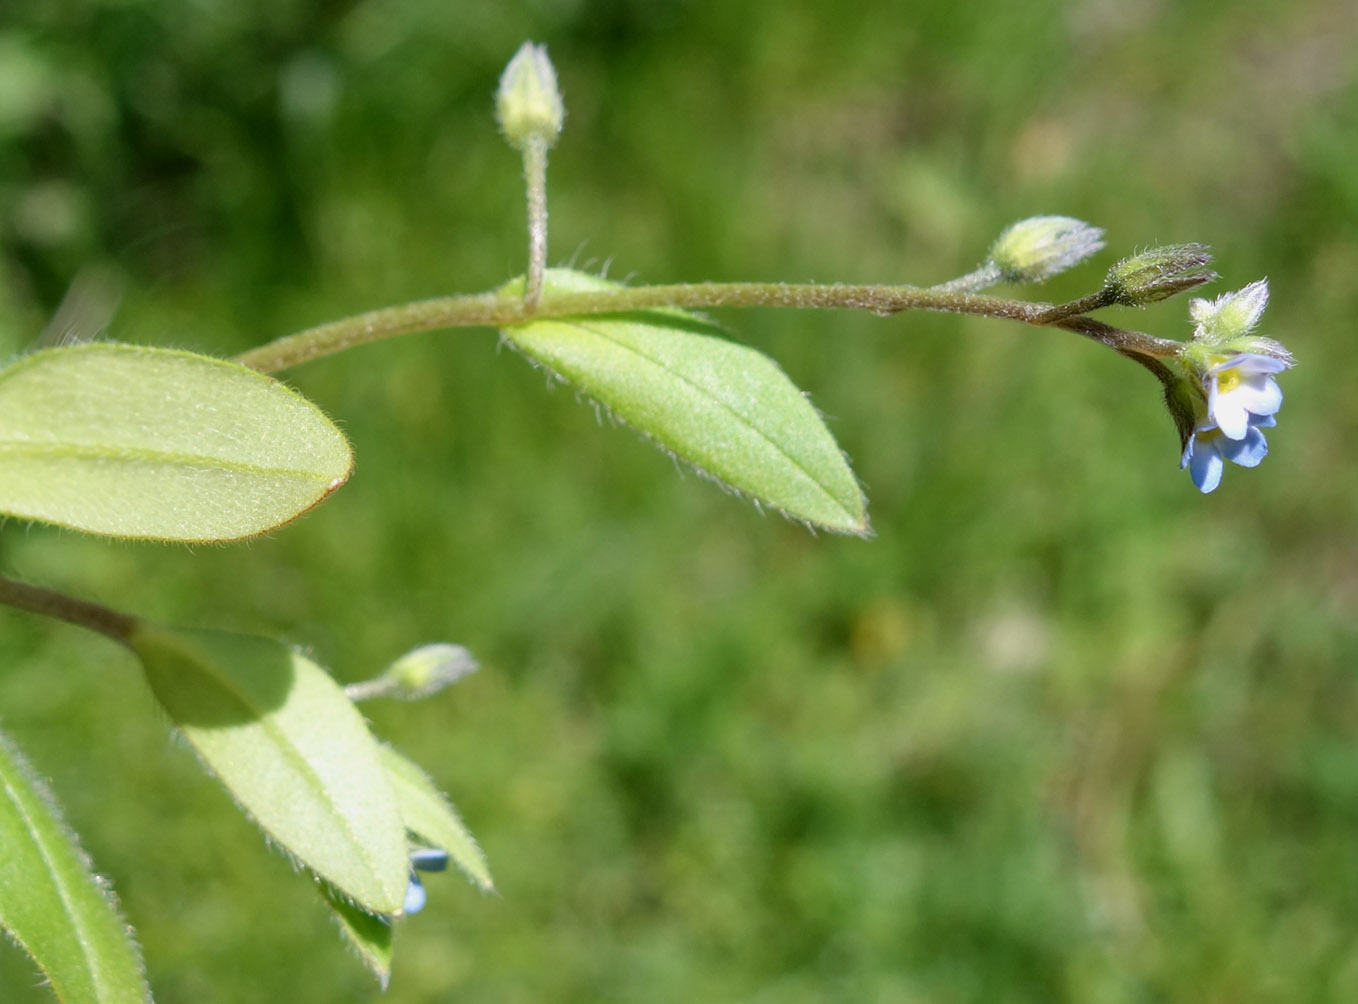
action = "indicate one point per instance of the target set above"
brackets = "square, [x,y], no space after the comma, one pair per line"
[279,733]
[138,442]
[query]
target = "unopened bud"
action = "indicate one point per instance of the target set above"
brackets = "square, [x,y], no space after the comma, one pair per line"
[1225,326]
[1037,248]
[1158,274]
[417,674]
[1230,315]
[528,102]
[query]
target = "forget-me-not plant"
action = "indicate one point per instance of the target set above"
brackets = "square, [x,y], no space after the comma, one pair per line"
[177,446]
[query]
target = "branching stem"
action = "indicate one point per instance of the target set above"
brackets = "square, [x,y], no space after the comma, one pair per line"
[500,310]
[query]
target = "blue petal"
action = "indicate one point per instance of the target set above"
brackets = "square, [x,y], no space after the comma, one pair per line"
[1247,452]
[415,897]
[432,859]
[1205,467]
[1251,362]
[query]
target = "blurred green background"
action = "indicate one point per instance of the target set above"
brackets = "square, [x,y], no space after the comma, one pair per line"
[1065,730]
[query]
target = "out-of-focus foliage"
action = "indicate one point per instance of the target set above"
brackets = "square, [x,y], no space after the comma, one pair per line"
[1064,730]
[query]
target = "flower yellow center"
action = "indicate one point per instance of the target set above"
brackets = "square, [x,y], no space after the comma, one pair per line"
[1228,380]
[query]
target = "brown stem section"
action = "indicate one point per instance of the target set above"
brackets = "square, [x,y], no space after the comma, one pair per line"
[50,603]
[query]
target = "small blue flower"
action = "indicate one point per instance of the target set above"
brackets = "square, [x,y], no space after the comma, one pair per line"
[1209,448]
[415,896]
[422,859]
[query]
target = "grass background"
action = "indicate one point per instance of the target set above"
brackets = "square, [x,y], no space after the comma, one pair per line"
[1064,730]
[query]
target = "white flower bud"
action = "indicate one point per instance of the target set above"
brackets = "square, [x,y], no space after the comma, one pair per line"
[1231,315]
[528,102]
[1039,247]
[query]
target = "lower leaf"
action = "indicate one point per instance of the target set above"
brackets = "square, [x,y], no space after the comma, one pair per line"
[63,916]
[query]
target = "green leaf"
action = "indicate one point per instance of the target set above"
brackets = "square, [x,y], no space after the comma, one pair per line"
[50,903]
[367,934]
[291,748]
[430,816]
[728,410]
[152,443]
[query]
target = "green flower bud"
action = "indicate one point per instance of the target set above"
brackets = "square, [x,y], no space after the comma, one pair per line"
[528,102]
[1224,327]
[1158,274]
[1039,247]
[1230,317]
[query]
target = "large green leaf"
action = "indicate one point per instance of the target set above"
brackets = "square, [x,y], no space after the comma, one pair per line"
[429,815]
[280,734]
[152,443]
[51,904]
[728,410]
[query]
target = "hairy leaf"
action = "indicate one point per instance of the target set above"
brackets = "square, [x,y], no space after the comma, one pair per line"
[429,815]
[291,748]
[369,935]
[51,904]
[138,442]
[728,410]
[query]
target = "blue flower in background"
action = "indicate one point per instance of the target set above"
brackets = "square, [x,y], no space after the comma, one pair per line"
[415,896]
[422,860]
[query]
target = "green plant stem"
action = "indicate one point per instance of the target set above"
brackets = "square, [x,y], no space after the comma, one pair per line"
[501,310]
[50,603]
[535,183]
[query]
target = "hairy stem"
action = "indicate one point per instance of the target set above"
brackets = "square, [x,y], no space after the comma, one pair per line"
[50,603]
[535,180]
[496,310]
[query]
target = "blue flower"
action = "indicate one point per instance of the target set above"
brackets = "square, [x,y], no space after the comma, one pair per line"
[415,896]
[1209,448]
[1229,392]
[422,860]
